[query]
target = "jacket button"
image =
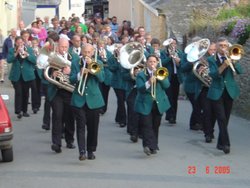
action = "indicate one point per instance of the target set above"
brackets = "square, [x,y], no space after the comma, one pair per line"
[86,93]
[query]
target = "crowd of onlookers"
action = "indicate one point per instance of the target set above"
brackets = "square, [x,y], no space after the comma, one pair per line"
[90,30]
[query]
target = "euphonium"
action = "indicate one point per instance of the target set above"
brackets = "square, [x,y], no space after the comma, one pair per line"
[93,68]
[159,74]
[57,63]
[195,52]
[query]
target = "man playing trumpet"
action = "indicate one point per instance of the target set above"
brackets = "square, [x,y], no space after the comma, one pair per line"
[87,103]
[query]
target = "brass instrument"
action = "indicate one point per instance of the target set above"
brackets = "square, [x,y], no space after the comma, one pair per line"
[57,62]
[159,74]
[234,53]
[131,57]
[23,52]
[195,52]
[49,60]
[93,68]
[103,54]
[47,50]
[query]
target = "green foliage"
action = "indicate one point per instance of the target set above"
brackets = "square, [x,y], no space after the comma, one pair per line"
[241,11]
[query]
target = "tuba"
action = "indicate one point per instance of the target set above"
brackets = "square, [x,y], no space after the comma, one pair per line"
[195,52]
[131,56]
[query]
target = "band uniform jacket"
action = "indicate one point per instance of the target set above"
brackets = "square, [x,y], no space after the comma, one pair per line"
[144,100]
[223,81]
[190,80]
[21,67]
[92,95]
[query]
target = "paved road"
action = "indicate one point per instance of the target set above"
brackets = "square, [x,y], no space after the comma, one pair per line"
[184,159]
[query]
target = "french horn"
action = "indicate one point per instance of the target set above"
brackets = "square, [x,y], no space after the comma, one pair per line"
[195,52]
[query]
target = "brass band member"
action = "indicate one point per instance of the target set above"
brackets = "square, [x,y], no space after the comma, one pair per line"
[171,59]
[86,107]
[21,74]
[150,108]
[60,103]
[223,90]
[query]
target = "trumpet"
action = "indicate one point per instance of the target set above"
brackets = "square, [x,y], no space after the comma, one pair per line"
[93,68]
[22,52]
[103,54]
[159,74]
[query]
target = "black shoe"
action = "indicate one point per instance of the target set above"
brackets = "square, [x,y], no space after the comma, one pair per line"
[56,148]
[25,114]
[45,127]
[208,139]
[219,147]
[70,146]
[172,121]
[134,138]
[146,150]
[153,151]
[122,125]
[19,116]
[2,81]
[91,156]
[226,149]
[212,136]
[195,127]
[82,157]
[35,110]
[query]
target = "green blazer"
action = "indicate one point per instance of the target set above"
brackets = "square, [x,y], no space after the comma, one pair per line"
[129,81]
[116,79]
[22,67]
[222,81]
[144,100]
[190,80]
[92,95]
[52,89]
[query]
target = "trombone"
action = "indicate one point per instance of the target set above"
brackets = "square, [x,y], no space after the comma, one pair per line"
[234,53]
[159,74]
[93,68]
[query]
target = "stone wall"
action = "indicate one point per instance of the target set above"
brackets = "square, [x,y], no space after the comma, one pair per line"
[242,104]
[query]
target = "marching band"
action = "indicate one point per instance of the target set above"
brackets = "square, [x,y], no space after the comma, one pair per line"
[75,73]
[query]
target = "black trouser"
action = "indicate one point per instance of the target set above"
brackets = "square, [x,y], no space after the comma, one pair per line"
[208,117]
[62,113]
[90,118]
[133,117]
[21,95]
[121,116]
[46,114]
[222,109]
[173,93]
[105,93]
[36,92]
[196,115]
[150,128]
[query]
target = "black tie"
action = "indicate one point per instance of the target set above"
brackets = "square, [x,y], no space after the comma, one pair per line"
[223,58]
